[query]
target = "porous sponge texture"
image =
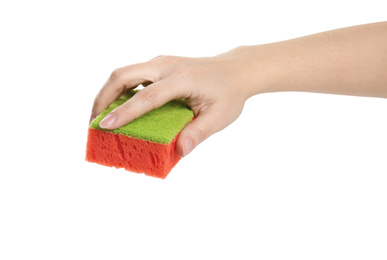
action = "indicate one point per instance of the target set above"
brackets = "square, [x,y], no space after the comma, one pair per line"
[160,125]
[145,145]
[135,155]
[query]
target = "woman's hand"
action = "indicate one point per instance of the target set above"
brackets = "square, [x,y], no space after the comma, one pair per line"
[349,61]
[215,88]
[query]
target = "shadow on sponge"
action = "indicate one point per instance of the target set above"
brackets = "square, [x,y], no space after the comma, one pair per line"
[145,145]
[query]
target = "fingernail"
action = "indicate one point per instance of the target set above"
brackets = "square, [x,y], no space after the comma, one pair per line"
[92,117]
[108,121]
[187,147]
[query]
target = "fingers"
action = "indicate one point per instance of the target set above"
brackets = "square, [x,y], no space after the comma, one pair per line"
[147,99]
[121,80]
[195,132]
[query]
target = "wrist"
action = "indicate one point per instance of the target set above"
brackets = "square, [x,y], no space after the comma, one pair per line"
[259,68]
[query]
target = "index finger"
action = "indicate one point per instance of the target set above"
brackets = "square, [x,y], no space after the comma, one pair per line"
[121,80]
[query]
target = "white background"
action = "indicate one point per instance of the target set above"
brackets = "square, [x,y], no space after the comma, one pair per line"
[297,176]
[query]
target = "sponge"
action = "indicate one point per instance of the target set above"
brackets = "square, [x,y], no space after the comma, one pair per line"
[145,145]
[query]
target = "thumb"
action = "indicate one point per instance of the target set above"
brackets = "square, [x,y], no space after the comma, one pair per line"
[195,132]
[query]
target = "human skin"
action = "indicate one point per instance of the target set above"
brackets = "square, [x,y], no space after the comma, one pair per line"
[348,61]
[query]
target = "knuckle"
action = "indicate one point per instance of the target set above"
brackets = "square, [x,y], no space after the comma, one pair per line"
[185,75]
[158,57]
[147,98]
[116,74]
[199,132]
[184,72]
[166,59]
[125,109]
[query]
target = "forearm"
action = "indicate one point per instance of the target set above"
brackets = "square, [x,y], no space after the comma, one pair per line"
[350,61]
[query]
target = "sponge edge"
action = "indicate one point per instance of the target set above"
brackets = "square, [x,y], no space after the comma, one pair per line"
[145,145]
[135,155]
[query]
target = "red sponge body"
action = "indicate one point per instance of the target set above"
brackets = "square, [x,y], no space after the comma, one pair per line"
[120,151]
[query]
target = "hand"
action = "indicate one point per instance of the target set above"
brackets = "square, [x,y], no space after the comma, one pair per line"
[215,88]
[350,61]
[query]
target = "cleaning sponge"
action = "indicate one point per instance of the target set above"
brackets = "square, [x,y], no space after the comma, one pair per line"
[145,145]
